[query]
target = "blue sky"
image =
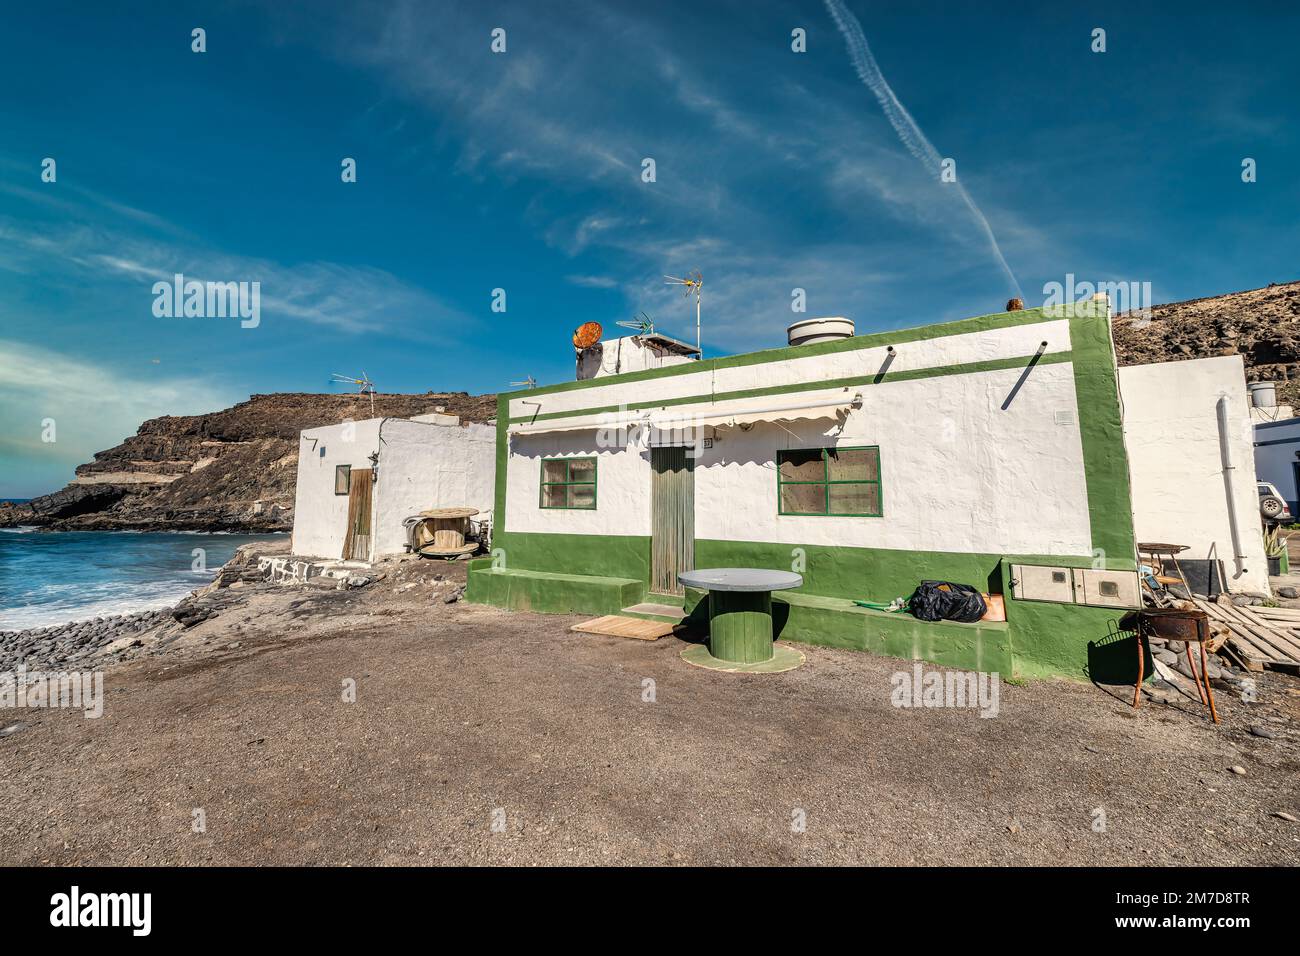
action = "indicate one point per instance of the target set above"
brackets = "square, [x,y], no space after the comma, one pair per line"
[522,171]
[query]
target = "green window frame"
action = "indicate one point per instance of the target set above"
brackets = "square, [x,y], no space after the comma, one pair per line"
[568,484]
[830,482]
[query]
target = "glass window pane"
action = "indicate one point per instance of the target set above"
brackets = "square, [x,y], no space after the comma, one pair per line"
[855,499]
[582,496]
[582,469]
[553,496]
[854,464]
[553,470]
[803,499]
[342,479]
[801,464]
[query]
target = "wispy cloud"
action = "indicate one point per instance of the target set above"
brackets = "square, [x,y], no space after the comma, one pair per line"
[713,205]
[593,282]
[91,406]
[350,299]
[909,132]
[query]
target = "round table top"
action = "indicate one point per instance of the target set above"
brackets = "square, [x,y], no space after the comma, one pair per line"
[449,513]
[1161,548]
[740,579]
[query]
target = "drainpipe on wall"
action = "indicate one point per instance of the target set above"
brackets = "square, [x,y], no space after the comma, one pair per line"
[1225,453]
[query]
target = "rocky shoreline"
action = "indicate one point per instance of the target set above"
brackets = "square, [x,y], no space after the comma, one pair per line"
[65,644]
[253,582]
[119,637]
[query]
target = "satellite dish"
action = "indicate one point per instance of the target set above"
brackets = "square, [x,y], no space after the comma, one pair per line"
[586,335]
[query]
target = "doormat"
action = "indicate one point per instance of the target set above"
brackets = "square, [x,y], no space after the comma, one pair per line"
[615,625]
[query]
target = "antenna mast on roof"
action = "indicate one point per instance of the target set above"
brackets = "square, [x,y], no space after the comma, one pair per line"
[363,384]
[529,382]
[642,324]
[694,282]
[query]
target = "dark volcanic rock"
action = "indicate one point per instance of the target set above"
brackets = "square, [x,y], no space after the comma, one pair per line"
[1262,325]
[72,501]
[232,470]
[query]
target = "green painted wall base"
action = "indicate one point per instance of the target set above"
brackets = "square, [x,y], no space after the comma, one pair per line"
[836,622]
[550,593]
[1039,639]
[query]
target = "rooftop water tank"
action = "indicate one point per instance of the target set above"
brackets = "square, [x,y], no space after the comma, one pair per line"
[1263,394]
[810,331]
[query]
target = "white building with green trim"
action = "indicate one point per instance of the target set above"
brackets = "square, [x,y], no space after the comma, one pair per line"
[988,451]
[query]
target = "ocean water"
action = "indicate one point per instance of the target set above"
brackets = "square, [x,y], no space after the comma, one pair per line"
[52,577]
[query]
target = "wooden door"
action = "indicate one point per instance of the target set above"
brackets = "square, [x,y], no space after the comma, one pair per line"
[356,543]
[672,524]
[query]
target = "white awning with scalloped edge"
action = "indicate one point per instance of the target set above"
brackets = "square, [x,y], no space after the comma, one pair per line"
[798,406]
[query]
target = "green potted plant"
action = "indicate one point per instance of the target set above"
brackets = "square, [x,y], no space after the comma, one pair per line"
[1275,550]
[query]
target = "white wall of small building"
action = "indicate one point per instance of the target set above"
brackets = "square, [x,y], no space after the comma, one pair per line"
[960,473]
[1179,495]
[424,466]
[631,353]
[320,517]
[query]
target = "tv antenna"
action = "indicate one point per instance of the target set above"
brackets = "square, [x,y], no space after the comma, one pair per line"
[693,283]
[529,382]
[363,384]
[642,324]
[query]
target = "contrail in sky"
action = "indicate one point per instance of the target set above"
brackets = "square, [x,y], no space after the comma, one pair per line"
[901,119]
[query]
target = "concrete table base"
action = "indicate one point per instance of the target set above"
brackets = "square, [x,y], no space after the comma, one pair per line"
[783,659]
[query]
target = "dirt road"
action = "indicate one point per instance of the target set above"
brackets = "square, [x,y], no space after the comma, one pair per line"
[480,737]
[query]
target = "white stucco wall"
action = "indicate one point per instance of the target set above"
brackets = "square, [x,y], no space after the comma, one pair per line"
[1014,341]
[423,466]
[1171,430]
[959,472]
[319,516]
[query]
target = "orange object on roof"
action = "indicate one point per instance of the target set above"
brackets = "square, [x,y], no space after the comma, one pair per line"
[586,335]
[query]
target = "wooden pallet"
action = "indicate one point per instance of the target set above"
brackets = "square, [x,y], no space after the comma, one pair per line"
[615,625]
[1257,641]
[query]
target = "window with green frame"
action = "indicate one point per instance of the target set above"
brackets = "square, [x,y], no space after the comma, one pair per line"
[569,483]
[829,481]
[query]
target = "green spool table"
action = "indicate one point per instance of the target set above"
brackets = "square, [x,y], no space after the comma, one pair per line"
[740,610]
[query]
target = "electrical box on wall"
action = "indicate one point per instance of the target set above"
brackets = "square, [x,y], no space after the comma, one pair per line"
[1033,582]
[1029,582]
[1107,588]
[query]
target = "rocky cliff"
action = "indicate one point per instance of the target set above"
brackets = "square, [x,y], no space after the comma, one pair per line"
[232,470]
[1262,325]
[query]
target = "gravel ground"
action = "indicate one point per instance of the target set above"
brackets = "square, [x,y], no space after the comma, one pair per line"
[466,716]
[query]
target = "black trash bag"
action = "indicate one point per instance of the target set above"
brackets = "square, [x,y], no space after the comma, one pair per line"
[945,601]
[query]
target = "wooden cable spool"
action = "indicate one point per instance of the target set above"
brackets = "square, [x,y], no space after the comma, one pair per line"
[444,530]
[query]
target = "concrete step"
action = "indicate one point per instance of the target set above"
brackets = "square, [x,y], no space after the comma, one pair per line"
[658,612]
